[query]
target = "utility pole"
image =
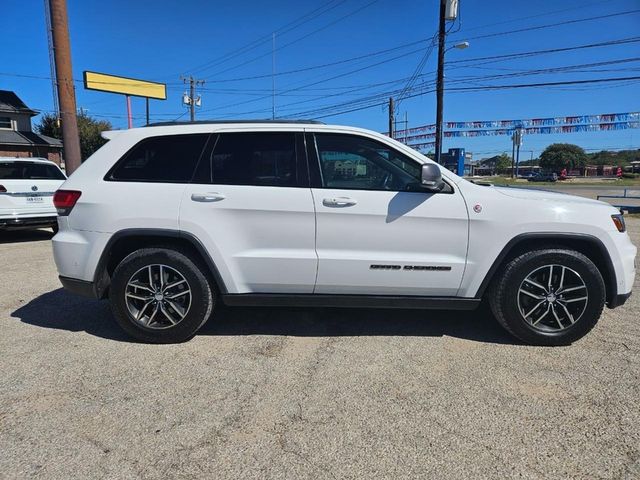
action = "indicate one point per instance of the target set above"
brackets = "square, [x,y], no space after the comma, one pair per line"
[66,91]
[406,127]
[52,62]
[273,76]
[191,100]
[391,116]
[520,132]
[440,80]
[513,153]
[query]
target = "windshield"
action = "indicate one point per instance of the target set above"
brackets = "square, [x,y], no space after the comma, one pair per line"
[29,171]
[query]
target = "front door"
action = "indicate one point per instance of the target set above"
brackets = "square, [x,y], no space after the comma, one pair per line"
[250,205]
[377,233]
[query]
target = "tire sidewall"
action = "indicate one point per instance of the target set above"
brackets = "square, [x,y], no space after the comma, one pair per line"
[201,295]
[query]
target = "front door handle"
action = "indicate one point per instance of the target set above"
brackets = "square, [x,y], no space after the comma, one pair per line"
[207,197]
[339,202]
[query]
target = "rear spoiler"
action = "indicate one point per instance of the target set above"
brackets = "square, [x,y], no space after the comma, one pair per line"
[110,134]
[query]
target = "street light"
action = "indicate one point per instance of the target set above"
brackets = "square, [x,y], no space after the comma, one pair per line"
[461,45]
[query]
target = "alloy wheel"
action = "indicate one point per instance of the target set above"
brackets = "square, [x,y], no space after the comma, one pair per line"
[552,298]
[158,296]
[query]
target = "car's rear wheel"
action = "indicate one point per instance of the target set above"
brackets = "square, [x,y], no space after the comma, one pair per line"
[160,295]
[548,297]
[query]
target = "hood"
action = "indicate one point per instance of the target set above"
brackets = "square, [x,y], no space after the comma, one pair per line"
[547,196]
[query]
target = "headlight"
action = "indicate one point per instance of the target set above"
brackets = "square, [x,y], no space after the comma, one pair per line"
[618,220]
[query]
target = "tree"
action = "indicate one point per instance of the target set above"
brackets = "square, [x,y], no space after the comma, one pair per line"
[562,155]
[88,127]
[622,157]
[503,162]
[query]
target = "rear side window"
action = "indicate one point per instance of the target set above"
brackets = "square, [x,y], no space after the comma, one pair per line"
[262,159]
[29,171]
[170,159]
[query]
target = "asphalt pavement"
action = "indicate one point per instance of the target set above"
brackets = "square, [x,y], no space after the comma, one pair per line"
[305,393]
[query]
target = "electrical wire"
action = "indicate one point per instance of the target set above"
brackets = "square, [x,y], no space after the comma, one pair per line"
[299,39]
[310,16]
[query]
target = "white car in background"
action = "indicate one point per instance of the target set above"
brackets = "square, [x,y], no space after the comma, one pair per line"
[27,186]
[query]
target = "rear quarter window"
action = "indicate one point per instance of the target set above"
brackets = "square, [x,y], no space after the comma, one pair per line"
[169,158]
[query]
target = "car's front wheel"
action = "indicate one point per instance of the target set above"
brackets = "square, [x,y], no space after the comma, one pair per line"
[548,297]
[160,295]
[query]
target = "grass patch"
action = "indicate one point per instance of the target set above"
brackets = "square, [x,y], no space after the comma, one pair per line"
[624,182]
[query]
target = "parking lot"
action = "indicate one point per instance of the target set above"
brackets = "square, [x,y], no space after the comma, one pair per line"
[305,393]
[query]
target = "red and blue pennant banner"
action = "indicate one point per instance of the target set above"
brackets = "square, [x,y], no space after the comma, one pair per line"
[419,132]
[414,142]
[555,121]
[422,145]
[592,127]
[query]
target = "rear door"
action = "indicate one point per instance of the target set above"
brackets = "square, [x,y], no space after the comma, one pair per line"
[27,187]
[144,188]
[377,232]
[250,205]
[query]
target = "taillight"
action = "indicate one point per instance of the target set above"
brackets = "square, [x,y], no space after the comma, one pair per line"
[2,189]
[65,200]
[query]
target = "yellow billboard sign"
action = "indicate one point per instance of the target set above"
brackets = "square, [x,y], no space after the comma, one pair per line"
[124,85]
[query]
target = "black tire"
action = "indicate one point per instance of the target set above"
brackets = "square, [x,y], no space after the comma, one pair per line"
[504,301]
[201,302]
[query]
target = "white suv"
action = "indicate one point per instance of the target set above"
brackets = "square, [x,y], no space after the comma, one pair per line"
[27,186]
[166,220]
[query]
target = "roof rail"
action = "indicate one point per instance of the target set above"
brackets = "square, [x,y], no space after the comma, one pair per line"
[214,122]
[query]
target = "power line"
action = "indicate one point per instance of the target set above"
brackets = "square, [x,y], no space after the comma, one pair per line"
[404,55]
[416,73]
[552,50]
[312,15]
[582,6]
[298,39]
[566,22]
[408,44]
[387,93]
[324,65]
[475,89]
[328,79]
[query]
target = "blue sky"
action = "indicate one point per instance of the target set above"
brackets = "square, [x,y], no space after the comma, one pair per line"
[161,40]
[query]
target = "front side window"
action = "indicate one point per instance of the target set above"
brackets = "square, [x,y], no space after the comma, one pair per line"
[357,163]
[259,159]
[170,159]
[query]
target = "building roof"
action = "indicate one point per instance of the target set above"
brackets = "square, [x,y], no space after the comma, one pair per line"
[10,102]
[12,137]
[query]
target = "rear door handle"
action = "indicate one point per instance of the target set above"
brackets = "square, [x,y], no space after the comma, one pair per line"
[339,202]
[207,197]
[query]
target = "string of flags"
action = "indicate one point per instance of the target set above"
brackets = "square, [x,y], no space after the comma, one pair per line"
[524,123]
[538,122]
[423,136]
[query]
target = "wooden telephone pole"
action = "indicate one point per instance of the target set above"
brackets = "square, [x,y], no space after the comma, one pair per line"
[440,79]
[193,101]
[66,90]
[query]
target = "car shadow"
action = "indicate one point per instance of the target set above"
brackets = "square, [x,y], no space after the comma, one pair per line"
[20,236]
[61,310]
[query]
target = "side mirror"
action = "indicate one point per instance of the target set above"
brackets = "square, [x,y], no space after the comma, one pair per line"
[431,178]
